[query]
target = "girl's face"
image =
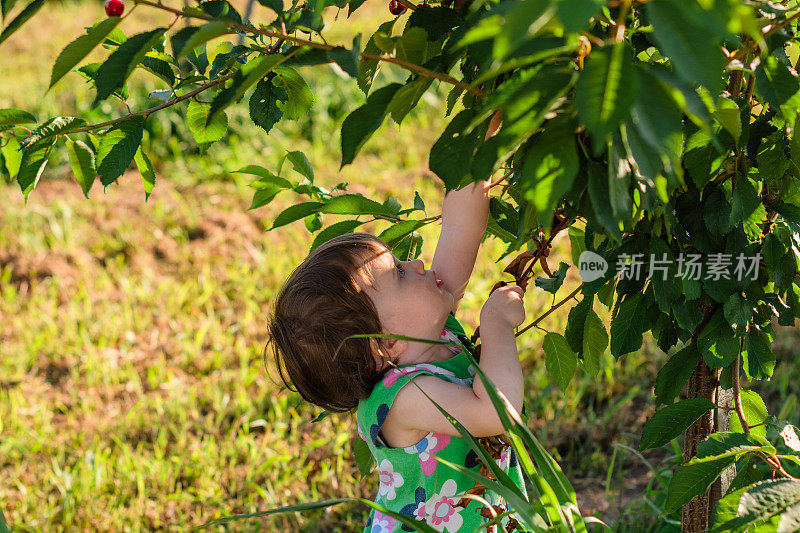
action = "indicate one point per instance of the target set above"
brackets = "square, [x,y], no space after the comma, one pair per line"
[410,300]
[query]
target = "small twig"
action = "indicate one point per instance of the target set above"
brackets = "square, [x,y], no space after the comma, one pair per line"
[501,179]
[556,306]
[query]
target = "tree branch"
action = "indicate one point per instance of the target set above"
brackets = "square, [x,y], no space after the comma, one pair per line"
[305,42]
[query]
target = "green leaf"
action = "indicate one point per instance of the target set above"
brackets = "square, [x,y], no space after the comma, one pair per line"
[268,179]
[759,362]
[89,71]
[364,121]
[355,204]
[204,33]
[694,52]
[755,411]
[78,49]
[717,342]
[51,128]
[451,153]
[729,117]
[598,189]
[766,499]
[790,214]
[675,373]
[5,7]
[275,5]
[395,233]
[552,285]
[81,157]
[369,67]
[12,155]
[221,9]
[264,110]
[550,167]
[298,94]
[313,222]
[295,212]
[348,60]
[606,89]
[10,116]
[334,230]
[745,200]
[717,212]
[34,159]
[250,73]
[595,341]
[117,148]
[719,445]
[666,285]
[21,19]
[3,524]
[672,420]
[145,171]
[115,70]
[657,116]
[560,361]
[205,132]
[737,311]
[159,66]
[301,164]
[407,97]
[575,14]
[778,86]
[522,21]
[689,481]
[627,327]
[364,459]
[412,46]
[576,322]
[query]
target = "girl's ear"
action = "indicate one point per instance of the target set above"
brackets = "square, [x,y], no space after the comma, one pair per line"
[388,348]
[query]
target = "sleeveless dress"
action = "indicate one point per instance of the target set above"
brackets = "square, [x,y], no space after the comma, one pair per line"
[412,481]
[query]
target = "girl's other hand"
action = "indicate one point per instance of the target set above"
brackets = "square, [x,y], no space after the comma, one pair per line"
[505,304]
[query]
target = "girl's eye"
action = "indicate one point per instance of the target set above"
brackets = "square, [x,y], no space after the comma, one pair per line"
[400,269]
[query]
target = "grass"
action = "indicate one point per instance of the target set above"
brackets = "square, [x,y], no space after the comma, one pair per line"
[133,394]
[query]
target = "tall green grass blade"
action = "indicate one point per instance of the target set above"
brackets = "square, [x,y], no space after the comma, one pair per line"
[279,510]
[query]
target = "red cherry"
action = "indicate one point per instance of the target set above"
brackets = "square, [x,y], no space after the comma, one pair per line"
[114,8]
[396,8]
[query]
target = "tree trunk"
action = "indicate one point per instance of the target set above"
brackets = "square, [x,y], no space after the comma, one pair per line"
[704,383]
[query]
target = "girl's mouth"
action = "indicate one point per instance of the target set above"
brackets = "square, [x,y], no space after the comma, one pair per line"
[439,283]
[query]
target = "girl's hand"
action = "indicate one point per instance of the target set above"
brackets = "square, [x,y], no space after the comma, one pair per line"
[494,124]
[505,304]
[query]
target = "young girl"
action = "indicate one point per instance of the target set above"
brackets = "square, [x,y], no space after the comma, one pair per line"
[353,284]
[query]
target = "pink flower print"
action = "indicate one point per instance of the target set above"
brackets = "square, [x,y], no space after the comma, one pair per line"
[419,512]
[392,375]
[441,512]
[382,523]
[361,434]
[389,479]
[426,450]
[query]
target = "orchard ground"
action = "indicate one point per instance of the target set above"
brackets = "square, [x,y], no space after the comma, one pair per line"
[133,393]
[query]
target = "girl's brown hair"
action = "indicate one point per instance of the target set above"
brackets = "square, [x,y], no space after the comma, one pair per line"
[317,309]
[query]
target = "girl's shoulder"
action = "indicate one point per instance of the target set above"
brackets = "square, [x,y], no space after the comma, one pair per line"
[372,411]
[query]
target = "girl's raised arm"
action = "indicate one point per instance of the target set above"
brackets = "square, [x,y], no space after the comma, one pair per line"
[465,213]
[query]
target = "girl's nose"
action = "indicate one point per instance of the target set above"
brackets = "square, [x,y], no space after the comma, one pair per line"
[418,265]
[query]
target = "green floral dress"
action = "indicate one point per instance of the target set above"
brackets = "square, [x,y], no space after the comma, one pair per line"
[412,481]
